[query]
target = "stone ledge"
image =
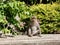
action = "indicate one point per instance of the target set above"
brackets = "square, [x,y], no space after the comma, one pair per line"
[46,39]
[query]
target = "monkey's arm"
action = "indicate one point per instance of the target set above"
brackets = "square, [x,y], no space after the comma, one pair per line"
[38,28]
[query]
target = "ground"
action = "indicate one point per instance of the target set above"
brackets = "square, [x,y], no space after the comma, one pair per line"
[46,39]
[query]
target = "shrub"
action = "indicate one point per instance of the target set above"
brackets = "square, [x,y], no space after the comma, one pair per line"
[49,16]
[13,13]
[16,12]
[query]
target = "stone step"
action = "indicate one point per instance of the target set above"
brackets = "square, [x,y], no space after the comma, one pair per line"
[46,39]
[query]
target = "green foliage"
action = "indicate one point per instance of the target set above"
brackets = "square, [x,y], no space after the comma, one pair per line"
[49,16]
[2,17]
[6,31]
[15,12]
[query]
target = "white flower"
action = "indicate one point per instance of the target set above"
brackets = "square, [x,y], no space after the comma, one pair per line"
[17,18]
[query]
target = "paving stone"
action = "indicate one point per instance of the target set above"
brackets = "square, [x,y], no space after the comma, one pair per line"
[46,39]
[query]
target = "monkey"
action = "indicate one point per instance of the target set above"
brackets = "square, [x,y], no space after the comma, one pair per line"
[34,27]
[22,24]
[23,29]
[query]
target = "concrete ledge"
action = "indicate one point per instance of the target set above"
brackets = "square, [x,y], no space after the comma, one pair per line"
[46,39]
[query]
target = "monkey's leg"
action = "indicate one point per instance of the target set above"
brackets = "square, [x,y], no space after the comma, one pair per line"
[37,33]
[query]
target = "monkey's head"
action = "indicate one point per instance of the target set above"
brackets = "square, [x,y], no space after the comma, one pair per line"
[22,24]
[33,18]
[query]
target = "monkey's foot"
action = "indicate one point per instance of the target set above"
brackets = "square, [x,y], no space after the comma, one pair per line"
[30,35]
[39,35]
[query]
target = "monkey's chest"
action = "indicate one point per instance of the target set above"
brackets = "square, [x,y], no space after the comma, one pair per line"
[34,29]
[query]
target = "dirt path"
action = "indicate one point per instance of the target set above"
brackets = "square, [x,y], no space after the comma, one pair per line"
[46,39]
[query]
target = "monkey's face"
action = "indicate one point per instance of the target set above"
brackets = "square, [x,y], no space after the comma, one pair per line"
[33,20]
[22,24]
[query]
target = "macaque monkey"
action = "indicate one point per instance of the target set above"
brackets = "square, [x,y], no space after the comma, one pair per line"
[22,24]
[34,28]
[23,30]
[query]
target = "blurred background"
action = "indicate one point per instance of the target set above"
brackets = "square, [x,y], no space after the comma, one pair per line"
[13,14]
